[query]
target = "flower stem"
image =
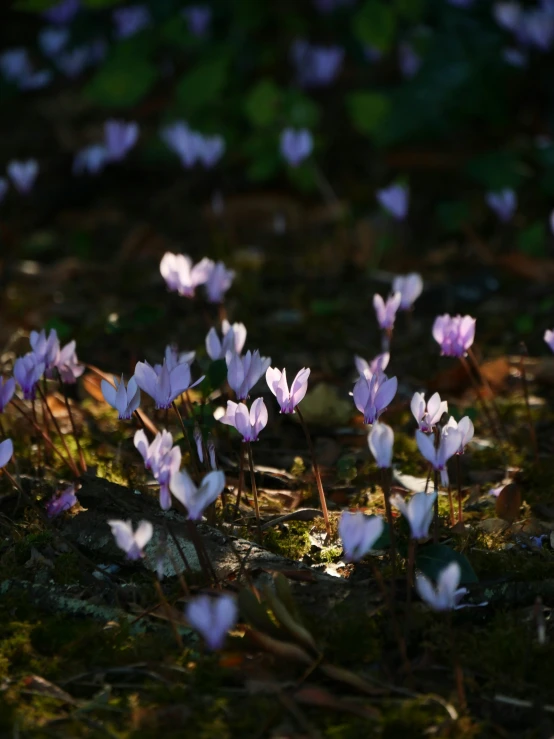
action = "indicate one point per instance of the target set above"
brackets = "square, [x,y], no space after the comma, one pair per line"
[316,473]
[525,386]
[240,483]
[73,427]
[458,672]
[436,506]
[254,489]
[409,583]
[167,610]
[388,597]
[185,434]
[459,481]
[59,432]
[480,397]
[386,481]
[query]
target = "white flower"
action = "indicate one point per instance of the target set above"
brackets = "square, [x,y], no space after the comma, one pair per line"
[418,512]
[359,533]
[446,595]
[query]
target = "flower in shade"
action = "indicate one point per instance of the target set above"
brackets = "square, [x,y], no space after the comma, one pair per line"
[46,348]
[379,364]
[15,64]
[295,145]
[130,20]
[212,617]
[316,66]
[373,394]
[428,414]
[395,200]
[409,60]
[198,440]
[61,502]
[52,40]
[418,512]
[359,534]
[63,12]
[212,453]
[277,383]
[446,595]
[7,389]
[27,371]
[449,444]
[162,458]
[466,429]
[234,337]
[381,440]
[68,365]
[131,542]
[410,288]
[386,312]
[181,140]
[165,385]
[92,159]
[4,186]
[124,399]
[181,275]
[244,372]
[247,423]
[549,338]
[455,334]
[196,499]
[503,203]
[36,80]
[6,452]
[198,18]
[23,175]
[119,138]
[219,281]
[209,149]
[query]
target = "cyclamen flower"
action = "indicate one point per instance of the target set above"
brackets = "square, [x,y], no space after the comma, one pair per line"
[409,60]
[380,440]
[119,138]
[455,334]
[46,349]
[162,458]
[6,452]
[395,200]
[7,389]
[23,175]
[124,400]
[63,12]
[296,146]
[196,499]
[359,534]
[92,159]
[549,338]
[428,415]
[316,66]
[234,338]
[218,282]
[373,394]
[244,372]
[15,64]
[212,617]
[173,358]
[52,40]
[466,429]
[503,203]
[27,371]
[166,385]
[68,365]
[449,444]
[410,288]
[61,502]
[446,595]
[191,146]
[130,20]
[277,383]
[181,276]
[209,149]
[198,18]
[386,312]
[379,364]
[248,423]
[74,62]
[418,512]
[131,542]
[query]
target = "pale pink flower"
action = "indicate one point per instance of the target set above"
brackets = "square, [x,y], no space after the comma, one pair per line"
[359,534]
[386,312]
[247,423]
[277,383]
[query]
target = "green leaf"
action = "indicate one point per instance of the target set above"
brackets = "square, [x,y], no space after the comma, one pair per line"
[532,239]
[203,84]
[412,10]
[453,214]
[368,111]
[262,103]
[122,81]
[375,24]
[215,377]
[496,170]
[431,559]
[300,111]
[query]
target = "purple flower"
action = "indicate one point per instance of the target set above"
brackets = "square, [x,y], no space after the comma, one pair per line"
[198,18]
[6,452]
[219,281]
[244,372]
[209,149]
[74,62]
[23,174]
[277,383]
[410,288]
[196,499]
[515,57]
[68,365]
[233,340]
[503,203]
[180,139]
[46,348]
[119,138]
[465,428]
[167,384]
[131,542]
[359,534]
[212,617]
[386,312]
[446,595]
[36,80]
[92,159]
[316,66]
[4,185]
[61,502]
[380,440]
[181,276]
[130,20]
[373,394]
[162,458]
[449,444]
[173,358]
[247,423]
[27,371]
[63,12]
[296,145]
[455,334]
[549,338]
[408,61]
[418,512]
[15,64]
[428,414]
[508,15]
[395,200]
[52,40]
[379,364]
[7,389]
[124,400]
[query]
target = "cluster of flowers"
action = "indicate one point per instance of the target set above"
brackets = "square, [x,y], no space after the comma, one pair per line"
[119,139]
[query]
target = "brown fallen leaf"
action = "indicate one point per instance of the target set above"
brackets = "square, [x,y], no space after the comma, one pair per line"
[508,502]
